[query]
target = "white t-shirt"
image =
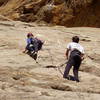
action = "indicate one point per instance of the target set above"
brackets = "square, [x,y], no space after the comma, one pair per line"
[73,45]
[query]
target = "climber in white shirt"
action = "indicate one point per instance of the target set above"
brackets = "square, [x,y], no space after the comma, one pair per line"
[75,55]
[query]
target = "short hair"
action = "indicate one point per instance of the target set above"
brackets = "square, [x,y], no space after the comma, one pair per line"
[29,34]
[75,39]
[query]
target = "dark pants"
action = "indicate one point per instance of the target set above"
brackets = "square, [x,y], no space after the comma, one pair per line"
[75,61]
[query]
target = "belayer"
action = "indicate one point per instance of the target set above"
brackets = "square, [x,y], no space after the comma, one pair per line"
[33,45]
[75,55]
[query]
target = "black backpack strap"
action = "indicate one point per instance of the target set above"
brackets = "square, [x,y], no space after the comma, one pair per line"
[77,51]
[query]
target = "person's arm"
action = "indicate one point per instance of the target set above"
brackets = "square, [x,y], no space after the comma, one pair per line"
[25,50]
[82,56]
[82,53]
[67,53]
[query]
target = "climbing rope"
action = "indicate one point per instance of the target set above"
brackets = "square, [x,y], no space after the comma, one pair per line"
[61,65]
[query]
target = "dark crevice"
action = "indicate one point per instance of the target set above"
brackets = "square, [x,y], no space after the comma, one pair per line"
[50,66]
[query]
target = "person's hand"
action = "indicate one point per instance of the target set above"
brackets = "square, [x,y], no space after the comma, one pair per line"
[24,51]
[82,58]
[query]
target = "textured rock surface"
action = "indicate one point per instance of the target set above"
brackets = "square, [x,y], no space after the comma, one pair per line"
[21,78]
[61,12]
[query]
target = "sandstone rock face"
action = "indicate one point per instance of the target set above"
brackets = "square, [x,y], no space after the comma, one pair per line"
[59,12]
[2,2]
[21,78]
